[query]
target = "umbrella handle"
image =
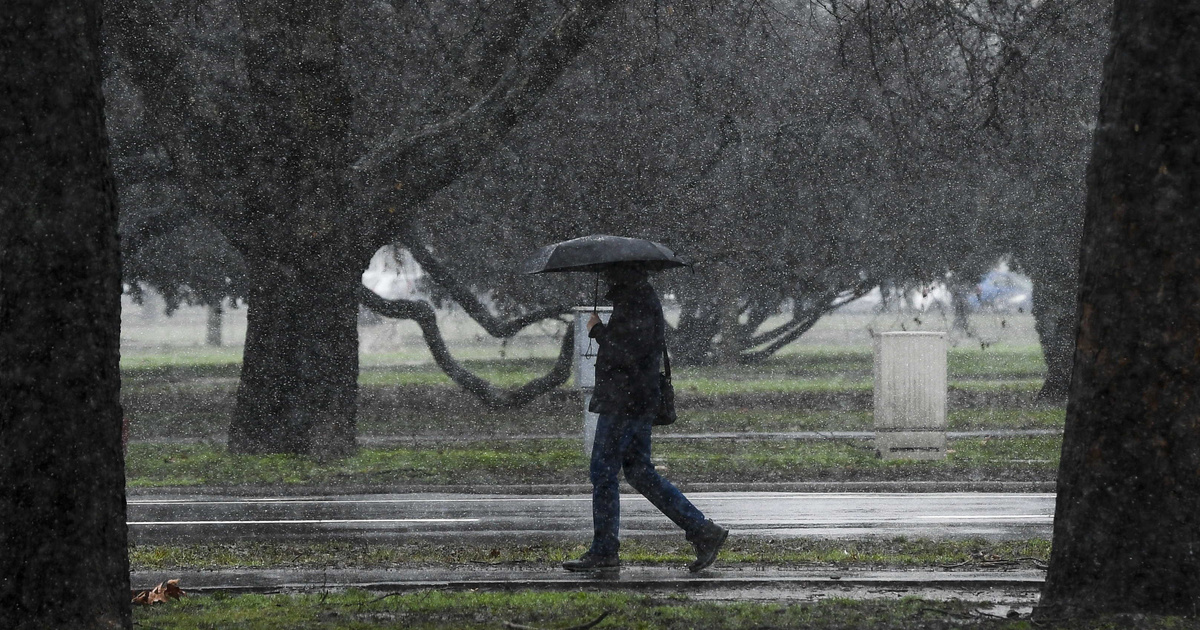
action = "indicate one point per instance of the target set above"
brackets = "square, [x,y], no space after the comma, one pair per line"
[596,295]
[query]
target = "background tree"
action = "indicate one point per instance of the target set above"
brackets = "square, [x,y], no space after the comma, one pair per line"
[167,243]
[897,143]
[262,136]
[873,143]
[1014,93]
[1127,519]
[63,554]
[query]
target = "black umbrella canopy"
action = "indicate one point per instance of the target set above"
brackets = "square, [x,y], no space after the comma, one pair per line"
[601,251]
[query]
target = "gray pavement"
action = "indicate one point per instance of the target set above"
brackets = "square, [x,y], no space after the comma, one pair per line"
[179,518]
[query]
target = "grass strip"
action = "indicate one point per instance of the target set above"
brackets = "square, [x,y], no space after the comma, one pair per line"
[562,461]
[197,412]
[872,553]
[817,369]
[359,610]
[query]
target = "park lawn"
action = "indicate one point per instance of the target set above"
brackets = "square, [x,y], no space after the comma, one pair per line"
[805,369]
[555,461]
[361,610]
[191,416]
[1002,418]
[202,412]
[191,395]
[799,553]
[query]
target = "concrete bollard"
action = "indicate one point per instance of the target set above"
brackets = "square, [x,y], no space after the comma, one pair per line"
[910,395]
[585,368]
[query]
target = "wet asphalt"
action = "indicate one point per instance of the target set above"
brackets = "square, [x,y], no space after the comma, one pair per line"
[178,518]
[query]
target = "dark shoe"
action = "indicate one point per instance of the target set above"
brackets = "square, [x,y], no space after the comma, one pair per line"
[707,543]
[593,563]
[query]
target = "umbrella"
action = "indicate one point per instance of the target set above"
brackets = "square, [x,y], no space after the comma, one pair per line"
[601,251]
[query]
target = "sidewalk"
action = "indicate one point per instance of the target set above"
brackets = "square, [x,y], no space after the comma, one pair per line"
[383,518]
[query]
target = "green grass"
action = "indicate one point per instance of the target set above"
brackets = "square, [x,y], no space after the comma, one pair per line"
[181,357]
[896,553]
[719,387]
[823,368]
[191,394]
[756,420]
[997,418]
[360,610]
[200,415]
[996,363]
[196,414]
[562,461]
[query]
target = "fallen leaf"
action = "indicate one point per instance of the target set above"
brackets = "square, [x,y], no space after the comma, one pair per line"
[161,594]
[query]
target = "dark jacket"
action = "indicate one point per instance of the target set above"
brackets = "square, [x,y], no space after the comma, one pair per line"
[629,359]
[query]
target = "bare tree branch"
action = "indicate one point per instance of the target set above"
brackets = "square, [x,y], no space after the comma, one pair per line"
[183,118]
[800,323]
[466,298]
[495,398]
[406,169]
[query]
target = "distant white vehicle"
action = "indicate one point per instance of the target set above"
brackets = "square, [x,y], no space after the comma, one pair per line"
[394,277]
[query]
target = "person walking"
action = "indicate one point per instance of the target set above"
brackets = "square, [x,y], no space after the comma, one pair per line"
[626,397]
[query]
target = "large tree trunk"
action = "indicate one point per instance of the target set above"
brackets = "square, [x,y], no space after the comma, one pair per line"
[298,392]
[212,324]
[63,554]
[1127,525]
[1055,292]
[299,384]
[691,341]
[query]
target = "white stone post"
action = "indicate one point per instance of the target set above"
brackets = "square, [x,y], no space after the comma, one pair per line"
[585,368]
[910,395]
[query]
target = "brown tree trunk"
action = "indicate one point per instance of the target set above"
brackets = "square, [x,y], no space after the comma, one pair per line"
[691,341]
[63,554]
[299,384]
[1127,526]
[1055,294]
[960,295]
[212,325]
[728,347]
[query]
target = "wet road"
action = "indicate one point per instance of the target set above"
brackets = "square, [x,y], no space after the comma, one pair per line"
[212,518]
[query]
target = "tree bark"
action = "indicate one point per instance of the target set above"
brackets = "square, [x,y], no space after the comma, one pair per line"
[1127,525]
[960,295]
[299,386]
[691,341]
[212,325]
[1055,294]
[63,554]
